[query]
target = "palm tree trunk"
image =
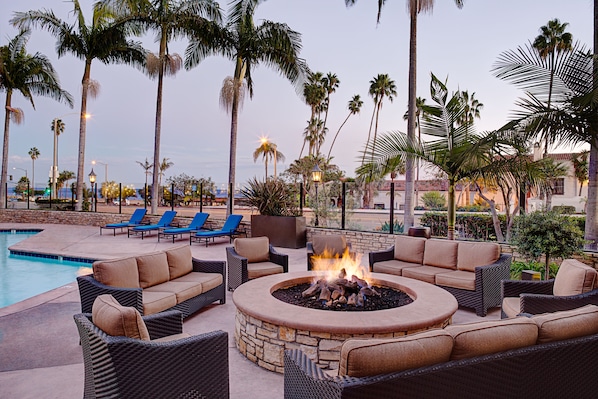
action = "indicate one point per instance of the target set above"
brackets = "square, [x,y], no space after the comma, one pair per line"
[233,149]
[266,165]
[158,129]
[409,186]
[7,111]
[451,214]
[591,229]
[82,133]
[336,135]
[32,189]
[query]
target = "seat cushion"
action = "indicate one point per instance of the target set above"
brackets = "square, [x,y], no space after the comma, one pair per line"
[170,338]
[393,266]
[567,324]
[511,306]
[179,261]
[208,280]
[255,249]
[157,301]
[410,249]
[441,253]
[153,269]
[333,245]
[367,357]
[473,254]
[457,279]
[486,337]
[255,270]
[182,290]
[117,320]
[574,278]
[423,273]
[121,273]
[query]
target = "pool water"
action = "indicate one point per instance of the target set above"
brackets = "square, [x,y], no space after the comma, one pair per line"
[22,277]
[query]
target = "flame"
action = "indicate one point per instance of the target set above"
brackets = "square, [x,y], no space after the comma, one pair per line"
[330,265]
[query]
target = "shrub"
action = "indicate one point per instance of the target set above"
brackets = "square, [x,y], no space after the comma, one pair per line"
[396,228]
[471,226]
[564,209]
[433,200]
[272,197]
[518,266]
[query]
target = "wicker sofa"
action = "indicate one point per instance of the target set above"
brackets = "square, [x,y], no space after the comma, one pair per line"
[471,271]
[155,282]
[551,355]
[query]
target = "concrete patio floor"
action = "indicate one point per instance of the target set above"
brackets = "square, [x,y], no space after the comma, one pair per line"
[40,356]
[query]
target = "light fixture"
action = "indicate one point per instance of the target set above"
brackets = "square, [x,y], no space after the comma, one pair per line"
[92,177]
[316,174]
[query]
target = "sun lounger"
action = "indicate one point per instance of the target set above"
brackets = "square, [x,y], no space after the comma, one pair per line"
[196,225]
[164,222]
[135,220]
[228,230]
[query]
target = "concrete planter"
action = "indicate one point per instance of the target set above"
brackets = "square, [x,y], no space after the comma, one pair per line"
[282,231]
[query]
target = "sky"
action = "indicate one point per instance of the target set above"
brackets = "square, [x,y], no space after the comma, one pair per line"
[459,44]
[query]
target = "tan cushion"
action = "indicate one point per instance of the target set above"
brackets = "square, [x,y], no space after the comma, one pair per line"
[486,337]
[423,273]
[170,338]
[410,249]
[472,254]
[179,261]
[333,245]
[117,273]
[441,253]
[457,279]
[567,324]
[366,357]
[573,278]
[153,269]
[117,320]
[182,290]
[511,306]
[393,266]
[157,301]
[208,280]
[255,270]
[255,249]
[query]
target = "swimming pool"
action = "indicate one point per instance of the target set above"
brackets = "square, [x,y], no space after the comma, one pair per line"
[22,277]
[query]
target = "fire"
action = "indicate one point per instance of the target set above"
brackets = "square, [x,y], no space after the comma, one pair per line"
[332,265]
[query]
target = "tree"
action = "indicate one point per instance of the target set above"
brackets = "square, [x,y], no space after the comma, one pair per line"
[111,190]
[34,154]
[63,179]
[580,168]
[105,39]
[22,186]
[146,168]
[170,20]
[164,165]
[271,43]
[268,150]
[314,94]
[354,107]
[551,171]
[30,75]
[330,83]
[381,86]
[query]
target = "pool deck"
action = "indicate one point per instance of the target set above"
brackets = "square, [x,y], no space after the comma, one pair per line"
[40,356]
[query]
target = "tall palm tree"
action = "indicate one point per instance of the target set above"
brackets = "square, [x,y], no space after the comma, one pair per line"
[330,83]
[314,94]
[472,108]
[30,75]
[271,43]
[268,150]
[415,7]
[552,171]
[170,20]
[146,168]
[381,86]
[57,127]
[104,39]
[64,177]
[354,107]
[34,154]
[420,112]
[164,165]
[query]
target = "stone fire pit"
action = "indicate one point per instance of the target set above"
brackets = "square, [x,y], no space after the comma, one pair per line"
[266,326]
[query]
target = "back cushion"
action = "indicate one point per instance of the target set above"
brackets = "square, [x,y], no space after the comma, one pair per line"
[567,324]
[179,261]
[333,245]
[441,253]
[255,249]
[486,337]
[116,320]
[117,273]
[410,249]
[472,254]
[153,269]
[366,357]
[574,278]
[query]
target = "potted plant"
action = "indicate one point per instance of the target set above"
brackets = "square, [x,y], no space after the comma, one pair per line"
[279,218]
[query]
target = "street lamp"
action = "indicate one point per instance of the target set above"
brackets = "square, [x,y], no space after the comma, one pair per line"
[105,174]
[316,177]
[92,180]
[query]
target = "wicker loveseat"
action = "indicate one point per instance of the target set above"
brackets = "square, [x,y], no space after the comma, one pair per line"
[471,271]
[155,282]
[551,355]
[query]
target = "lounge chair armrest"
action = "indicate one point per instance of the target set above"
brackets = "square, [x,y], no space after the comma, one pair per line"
[514,288]
[164,324]
[279,259]
[379,256]
[304,379]
[90,289]
[537,303]
[209,266]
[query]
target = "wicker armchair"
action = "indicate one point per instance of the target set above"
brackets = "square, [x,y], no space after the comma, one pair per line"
[121,367]
[252,258]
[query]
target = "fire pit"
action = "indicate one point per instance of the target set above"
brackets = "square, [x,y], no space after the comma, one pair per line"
[266,326]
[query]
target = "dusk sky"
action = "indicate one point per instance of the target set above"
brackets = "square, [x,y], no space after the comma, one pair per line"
[461,44]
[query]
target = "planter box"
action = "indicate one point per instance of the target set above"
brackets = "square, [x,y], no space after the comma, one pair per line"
[282,231]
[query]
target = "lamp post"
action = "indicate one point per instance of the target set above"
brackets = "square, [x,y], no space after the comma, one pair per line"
[316,177]
[105,174]
[92,180]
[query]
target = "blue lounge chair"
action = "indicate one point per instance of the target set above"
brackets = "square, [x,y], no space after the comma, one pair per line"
[196,224]
[135,220]
[164,222]
[228,230]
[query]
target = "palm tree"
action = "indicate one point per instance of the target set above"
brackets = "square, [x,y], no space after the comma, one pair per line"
[330,83]
[64,177]
[354,107]
[34,154]
[146,168]
[552,171]
[415,7]
[268,150]
[580,168]
[314,94]
[381,86]
[105,40]
[30,75]
[271,43]
[420,112]
[472,108]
